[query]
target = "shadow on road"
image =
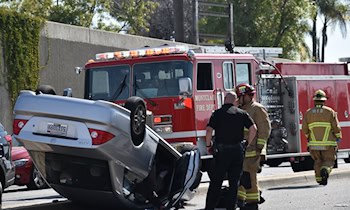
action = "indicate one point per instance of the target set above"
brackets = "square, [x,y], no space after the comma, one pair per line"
[60,205]
[294,187]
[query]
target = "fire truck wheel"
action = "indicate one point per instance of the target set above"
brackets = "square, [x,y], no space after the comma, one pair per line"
[137,107]
[274,162]
[347,160]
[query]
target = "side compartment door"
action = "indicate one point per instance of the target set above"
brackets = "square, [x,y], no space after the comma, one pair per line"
[342,108]
[325,84]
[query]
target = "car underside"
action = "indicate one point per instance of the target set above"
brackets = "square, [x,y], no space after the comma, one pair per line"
[95,152]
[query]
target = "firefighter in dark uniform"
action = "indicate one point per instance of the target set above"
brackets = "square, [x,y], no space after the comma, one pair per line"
[229,123]
[322,129]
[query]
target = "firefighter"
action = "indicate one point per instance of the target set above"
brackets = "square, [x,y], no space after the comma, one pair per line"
[229,123]
[321,128]
[249,195]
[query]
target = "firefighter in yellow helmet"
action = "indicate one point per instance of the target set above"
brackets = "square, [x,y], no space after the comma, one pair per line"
[321,127]
[249,195]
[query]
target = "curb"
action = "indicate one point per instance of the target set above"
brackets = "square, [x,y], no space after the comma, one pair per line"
[271,181]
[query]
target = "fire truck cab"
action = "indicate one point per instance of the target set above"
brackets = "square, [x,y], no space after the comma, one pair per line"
[182,88]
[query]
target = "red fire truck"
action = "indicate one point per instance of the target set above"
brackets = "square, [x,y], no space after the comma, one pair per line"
[183,87]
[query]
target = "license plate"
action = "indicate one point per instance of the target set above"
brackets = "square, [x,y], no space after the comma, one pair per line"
[57,129]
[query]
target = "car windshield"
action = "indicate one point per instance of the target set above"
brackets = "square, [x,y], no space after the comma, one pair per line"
[153,80]
[109,83]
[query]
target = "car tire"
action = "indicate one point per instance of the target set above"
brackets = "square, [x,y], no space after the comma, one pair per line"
[36,180]
[137,107]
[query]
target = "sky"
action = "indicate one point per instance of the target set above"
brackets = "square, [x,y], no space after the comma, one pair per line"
[337,47]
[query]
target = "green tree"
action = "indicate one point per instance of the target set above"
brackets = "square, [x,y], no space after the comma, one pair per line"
[333,14]
[114,15]
[133,14]
[265,23]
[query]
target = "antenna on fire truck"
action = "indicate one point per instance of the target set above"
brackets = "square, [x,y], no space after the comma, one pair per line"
[229,46]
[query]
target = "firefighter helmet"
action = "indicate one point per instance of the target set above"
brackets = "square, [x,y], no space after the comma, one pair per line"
[320,95]
[243,89]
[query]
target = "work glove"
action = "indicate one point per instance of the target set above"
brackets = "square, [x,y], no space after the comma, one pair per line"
[338,140]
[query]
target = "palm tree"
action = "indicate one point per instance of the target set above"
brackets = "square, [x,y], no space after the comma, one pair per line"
[333,13]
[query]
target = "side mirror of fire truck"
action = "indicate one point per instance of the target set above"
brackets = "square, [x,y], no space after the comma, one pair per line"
[185,86]
[78,69]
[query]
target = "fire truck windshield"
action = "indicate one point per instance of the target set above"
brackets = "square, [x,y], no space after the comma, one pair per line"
[160,79]
[109,83]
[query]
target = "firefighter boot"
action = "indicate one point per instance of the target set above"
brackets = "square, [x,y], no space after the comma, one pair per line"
[324,175]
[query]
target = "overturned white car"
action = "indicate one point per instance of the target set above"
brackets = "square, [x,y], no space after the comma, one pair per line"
[97,152]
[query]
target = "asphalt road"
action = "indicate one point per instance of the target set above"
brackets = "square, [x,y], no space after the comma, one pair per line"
[277,182]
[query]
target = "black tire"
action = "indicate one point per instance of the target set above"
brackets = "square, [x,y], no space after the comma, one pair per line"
[347,160]
[137,107]
[274,162]
[36,180]
[305,165]
[297,167]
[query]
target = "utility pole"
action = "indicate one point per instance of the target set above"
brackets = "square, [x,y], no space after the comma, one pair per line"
[195,22]
[178,6]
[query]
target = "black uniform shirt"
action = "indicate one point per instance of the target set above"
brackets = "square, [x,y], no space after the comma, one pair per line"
[229,123]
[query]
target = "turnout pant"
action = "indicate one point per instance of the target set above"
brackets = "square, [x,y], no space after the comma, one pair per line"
[227,161]
[323,159]
[251,166]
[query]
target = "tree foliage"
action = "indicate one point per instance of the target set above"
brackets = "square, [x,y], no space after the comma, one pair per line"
[332,13]
[265,23]
[279,23]
[114,15]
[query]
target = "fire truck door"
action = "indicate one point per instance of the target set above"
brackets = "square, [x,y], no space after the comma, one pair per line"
[219,98]
[219,76]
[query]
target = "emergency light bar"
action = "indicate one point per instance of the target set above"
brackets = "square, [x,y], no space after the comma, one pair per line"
[165,50]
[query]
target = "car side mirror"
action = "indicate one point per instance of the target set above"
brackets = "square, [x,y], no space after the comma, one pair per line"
[68,92]
[185,86]
[2,152]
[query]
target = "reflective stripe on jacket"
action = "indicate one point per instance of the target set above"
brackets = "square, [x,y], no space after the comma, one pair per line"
[261,118]
[321,127]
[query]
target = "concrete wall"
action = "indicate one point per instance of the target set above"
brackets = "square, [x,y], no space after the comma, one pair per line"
[63,47]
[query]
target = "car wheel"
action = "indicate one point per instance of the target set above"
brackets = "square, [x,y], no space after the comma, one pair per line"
[137,107]
[36,180]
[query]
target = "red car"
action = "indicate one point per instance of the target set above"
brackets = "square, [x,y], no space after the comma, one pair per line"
[26,172]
